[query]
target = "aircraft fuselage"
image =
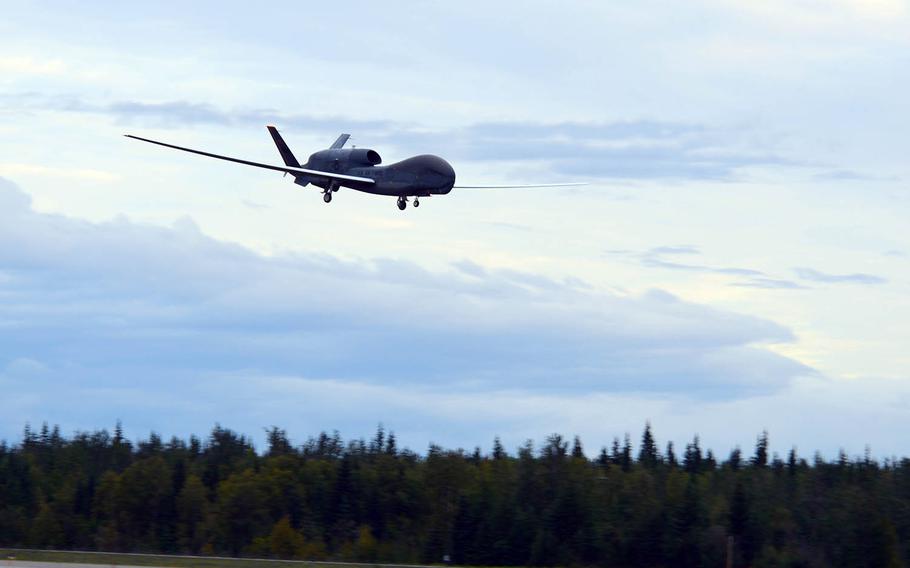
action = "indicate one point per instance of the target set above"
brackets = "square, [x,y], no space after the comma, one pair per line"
[419,176]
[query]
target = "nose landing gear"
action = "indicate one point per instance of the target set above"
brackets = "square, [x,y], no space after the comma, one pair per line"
[327,197]
[416,202]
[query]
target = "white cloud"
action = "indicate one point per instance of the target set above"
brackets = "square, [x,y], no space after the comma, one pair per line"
[25,170]
[30,65]
[118,305]
[855,278]
[850,17]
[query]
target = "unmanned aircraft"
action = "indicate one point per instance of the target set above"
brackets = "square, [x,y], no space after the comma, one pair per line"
[359,169]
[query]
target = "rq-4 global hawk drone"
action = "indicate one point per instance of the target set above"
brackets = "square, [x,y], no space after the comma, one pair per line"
[358,168]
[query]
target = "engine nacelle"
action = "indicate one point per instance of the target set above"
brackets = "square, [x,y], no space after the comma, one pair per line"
[338,159]
[364,157]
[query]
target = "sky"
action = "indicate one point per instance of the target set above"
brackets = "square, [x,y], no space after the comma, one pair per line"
[739,262]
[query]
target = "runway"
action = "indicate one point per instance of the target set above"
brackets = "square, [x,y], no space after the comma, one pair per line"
[207,561]
[30,564]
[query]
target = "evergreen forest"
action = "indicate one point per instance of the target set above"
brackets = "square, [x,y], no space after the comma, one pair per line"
[547,504]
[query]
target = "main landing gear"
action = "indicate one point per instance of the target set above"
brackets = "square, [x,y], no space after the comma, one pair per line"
[403,202]
[327,192]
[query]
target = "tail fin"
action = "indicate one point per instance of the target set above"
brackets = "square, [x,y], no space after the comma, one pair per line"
[339,142]
[286,155]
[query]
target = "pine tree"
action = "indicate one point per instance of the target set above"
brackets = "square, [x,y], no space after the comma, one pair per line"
[671,455]
[791,462]
[692,461]
[278,443]
[498,451]
[195,447]
[577,450]
[121,449]
[625,459]
[761,451]
[735,460]
[556,448]
[391,445]
[648,455]
[616,453]
[378,443]
[29,440]
[710,462]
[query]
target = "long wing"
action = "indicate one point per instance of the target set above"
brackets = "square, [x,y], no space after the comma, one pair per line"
[288,169]
[570,184]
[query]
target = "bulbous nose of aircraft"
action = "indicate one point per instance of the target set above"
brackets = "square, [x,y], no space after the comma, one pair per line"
[439,175]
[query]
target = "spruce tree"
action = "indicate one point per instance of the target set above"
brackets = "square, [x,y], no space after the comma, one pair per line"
[671,455]
[498,451]
[391,445]
[648,454]
[791,461]
[577,450]
[736,458]
[693,458]
[625,459]
[761,451]
[710,463]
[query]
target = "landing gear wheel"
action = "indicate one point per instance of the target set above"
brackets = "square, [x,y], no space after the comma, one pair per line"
[327,197]
[402,203]
[416,202]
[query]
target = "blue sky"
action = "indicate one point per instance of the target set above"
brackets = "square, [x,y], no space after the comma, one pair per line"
[739,262]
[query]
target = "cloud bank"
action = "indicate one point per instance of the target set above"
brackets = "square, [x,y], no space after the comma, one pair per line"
[626,150]
[656,257]
[824,277]
[144,314]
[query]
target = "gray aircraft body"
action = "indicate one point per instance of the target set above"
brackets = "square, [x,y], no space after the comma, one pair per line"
[360,169]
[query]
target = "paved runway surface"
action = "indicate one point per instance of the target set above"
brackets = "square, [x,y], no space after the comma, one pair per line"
[27,564]
[4,563]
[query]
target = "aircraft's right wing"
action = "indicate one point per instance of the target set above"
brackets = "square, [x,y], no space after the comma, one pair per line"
[569,184]
[287,169]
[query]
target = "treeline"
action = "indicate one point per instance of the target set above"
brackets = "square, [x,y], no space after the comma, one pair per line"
[368,500]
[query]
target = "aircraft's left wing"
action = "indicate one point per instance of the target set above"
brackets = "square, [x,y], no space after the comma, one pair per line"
[287,169]
[569,184]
